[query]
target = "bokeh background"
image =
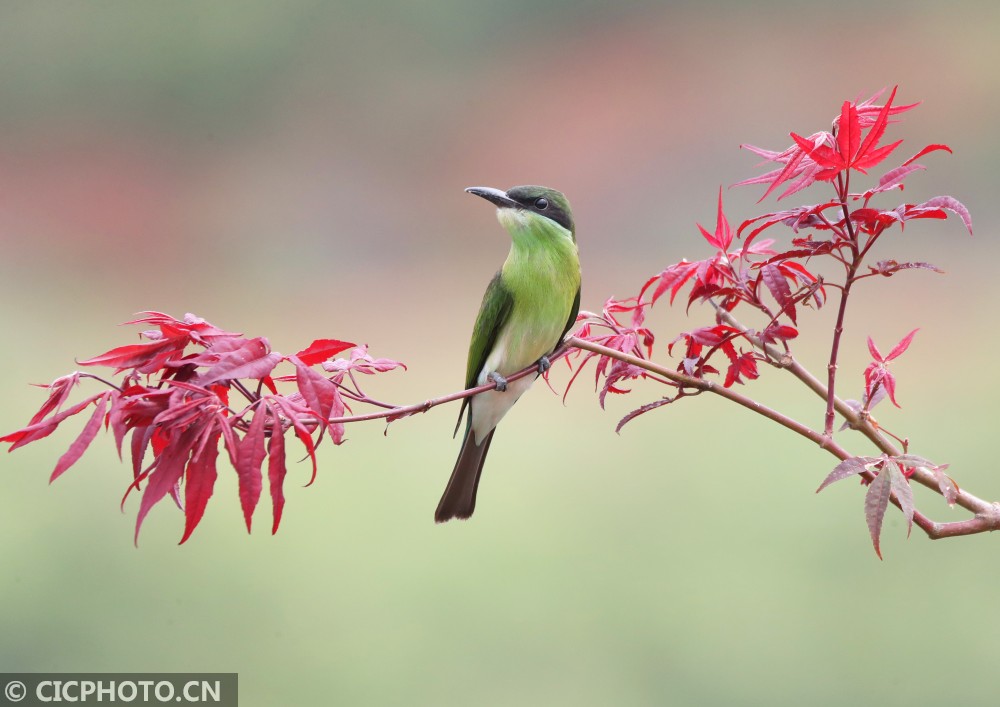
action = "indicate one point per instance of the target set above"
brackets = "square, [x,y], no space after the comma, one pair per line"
[295,170]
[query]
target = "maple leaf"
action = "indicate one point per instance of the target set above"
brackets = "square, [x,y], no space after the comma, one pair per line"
[163,474]
[848,467]
[723,236]
[322,396]
[175,404]
[934,208]
[878,375]
[150,354]
[627,338]
[823,155]
[888,268]
[361,362]
[276,469]
[59,391]
[774,278]
[44,427]
[199,482]
[848,151]
[890,480]
[876,503]
[740,366]
[249,459]
[81,443]
[673,279]
[796,219]
[775,332]
[642,410]
[322,349]
[242,358]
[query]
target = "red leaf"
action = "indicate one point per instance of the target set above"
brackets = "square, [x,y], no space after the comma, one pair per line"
[268,382]
[79,446]
[141,437]
[252,359]
[929,148]
[44,428]
[316,390]
[192,327]
[903,344]
[888,382]
[849,131]
[894,178]
[904,493]
[249,460]
[673,278]
[778,332]
[878,128]
[871,159]
[778,286]
[276,469]
[743,365]
[164,474]
[873,350]
[361,362]
[138,355]
[888,267]
[846,468]
[199,481]
[876,502]
[320,350]
[641,411]
[821,153]
[292,413]
[723,236]
[792,169]
[59,391]
[953,205]
[228,437]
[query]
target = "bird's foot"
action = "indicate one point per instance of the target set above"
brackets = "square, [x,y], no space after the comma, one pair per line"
[544,364]
[498,380]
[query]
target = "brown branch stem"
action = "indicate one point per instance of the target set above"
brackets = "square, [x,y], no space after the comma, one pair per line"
[821,440]
[987,514]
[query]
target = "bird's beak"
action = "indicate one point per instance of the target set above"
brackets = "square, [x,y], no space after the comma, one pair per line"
[495,196]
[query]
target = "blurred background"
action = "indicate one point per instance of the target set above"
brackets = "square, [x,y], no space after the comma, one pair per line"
[295,170]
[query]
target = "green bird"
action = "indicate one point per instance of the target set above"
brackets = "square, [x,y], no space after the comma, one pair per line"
[528,307]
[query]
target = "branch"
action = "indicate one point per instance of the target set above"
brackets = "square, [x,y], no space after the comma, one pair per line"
[393,413]
[987,514]
[701,384]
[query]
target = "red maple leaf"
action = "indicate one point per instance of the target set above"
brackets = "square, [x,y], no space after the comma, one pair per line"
[823,155]
[877,374]
[175,402]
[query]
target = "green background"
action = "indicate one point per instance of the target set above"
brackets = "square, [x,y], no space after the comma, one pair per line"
[295,170]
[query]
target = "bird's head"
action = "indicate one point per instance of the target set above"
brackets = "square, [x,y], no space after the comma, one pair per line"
[525,206]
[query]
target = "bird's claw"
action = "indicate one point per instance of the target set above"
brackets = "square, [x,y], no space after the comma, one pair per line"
[544,364]
[498,380]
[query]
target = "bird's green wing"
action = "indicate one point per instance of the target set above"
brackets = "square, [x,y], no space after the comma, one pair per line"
[493,314]
[572,317]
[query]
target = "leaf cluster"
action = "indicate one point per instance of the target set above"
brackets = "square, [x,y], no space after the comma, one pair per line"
[173,405]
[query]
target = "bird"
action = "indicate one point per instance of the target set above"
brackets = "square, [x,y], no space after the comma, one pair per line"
[529,305]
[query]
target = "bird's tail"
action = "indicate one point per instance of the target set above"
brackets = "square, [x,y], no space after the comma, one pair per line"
[459,499]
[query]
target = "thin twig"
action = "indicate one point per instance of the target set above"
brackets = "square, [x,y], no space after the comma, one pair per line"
[987,513]
[701,384]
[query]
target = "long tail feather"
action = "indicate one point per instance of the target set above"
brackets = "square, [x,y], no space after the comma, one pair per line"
[459,499]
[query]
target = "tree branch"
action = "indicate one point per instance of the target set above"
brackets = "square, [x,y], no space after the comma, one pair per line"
[987,514]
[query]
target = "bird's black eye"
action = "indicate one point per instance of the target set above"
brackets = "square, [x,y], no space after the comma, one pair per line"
[541,203]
